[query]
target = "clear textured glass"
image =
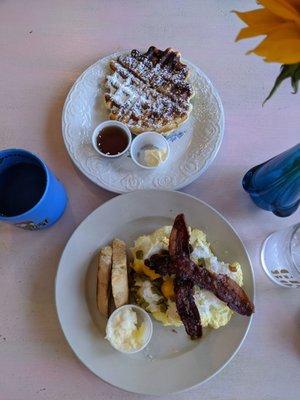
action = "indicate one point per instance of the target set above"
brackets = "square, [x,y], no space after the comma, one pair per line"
[280,257]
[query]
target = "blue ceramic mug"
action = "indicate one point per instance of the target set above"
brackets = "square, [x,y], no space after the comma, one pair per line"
[31,197]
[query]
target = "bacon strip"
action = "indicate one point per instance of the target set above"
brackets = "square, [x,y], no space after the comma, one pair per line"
[187,308]
[179,249]
[221,285]
[227,290]
[179,238]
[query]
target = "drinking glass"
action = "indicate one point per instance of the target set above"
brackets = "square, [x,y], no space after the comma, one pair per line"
[280,257]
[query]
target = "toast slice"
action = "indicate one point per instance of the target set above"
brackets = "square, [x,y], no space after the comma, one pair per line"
[103,279]
[119,277]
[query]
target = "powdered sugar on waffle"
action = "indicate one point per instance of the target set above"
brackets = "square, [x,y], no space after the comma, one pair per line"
[157,75]
[149,90]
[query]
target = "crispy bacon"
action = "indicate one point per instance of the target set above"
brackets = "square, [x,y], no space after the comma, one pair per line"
[179,238]
[187,274]
[187,308]
[179,249]
[223,287]
[227,290]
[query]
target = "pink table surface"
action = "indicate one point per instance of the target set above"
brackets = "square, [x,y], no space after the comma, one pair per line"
[44,46]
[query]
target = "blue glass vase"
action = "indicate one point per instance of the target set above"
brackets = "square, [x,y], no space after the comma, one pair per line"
[275,184]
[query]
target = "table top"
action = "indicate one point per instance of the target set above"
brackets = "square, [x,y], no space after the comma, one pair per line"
[44,46]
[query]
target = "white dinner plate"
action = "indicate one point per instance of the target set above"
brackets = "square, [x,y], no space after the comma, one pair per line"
[172,362]
[193,146]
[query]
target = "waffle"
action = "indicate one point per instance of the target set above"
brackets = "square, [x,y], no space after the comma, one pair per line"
[149,91]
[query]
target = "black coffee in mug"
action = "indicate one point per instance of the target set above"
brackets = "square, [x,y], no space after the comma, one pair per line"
[21,187]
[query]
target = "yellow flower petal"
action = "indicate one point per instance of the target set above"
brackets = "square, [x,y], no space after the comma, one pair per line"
[283,9]
[251,31]
[260,22]
[295,4]
[281,45]
[280,53]
[259,16]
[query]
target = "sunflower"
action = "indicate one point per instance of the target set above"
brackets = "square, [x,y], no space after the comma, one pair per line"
[279,21]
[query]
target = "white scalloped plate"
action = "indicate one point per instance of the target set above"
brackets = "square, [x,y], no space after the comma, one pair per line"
[193,146]
[171,362]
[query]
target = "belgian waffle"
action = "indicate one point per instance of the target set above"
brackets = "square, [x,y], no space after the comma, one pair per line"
[149,91]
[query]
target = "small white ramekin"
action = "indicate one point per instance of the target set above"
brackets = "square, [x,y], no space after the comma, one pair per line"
[104,125]
[148,139]
[142,316]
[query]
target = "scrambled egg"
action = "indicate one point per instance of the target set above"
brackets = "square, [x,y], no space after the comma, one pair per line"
[156,294]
